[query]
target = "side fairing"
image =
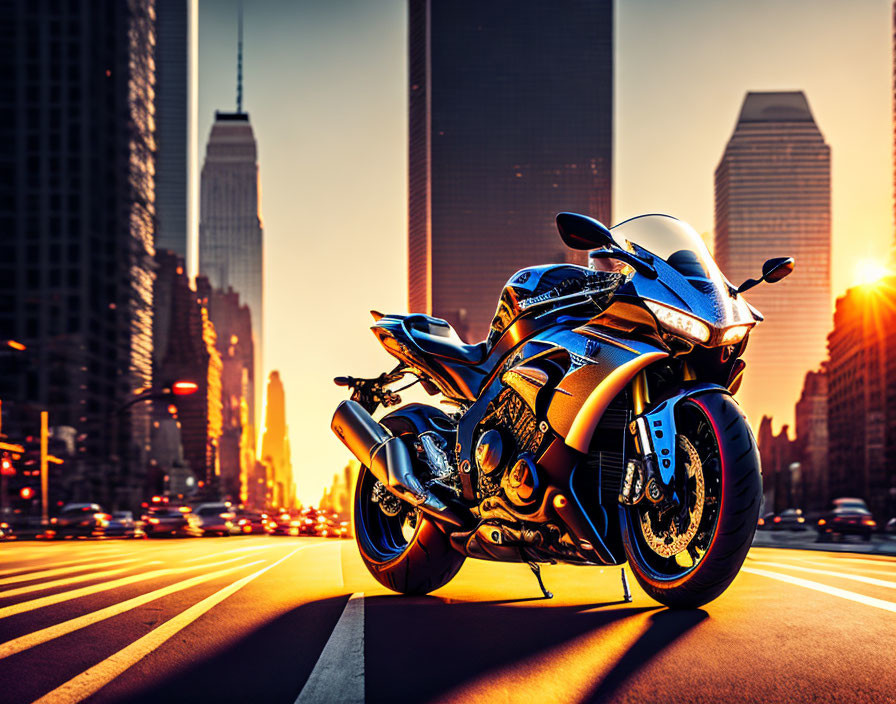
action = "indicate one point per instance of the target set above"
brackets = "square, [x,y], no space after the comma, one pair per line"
[601,368]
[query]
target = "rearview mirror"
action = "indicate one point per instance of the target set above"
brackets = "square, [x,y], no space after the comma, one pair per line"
[582,232]
[776,269]
[772,271]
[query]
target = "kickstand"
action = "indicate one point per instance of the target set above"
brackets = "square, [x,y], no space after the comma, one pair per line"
[626,592]
[536,570]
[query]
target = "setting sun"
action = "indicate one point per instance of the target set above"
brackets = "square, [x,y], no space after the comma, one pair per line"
[868,271]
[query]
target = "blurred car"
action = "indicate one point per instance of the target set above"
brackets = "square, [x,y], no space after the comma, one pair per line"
[122,525]
[789,519]
[6,531]
[173,521]
[332,528]
[765,521]
[251,521]
[846,516]
[284,523]
[891,526]
[216,518]
[79,520]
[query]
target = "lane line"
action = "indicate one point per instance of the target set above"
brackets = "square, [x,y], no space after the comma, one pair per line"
[41,574]
[225,552]
[52,599]
[830,573]
[833,591]
[17,645]
[91,680]
[810,555]
[338,675]
[42,586]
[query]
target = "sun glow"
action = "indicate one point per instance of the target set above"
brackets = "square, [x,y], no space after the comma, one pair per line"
[869,271]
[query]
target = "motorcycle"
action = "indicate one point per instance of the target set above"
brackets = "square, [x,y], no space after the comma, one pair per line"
[595,426]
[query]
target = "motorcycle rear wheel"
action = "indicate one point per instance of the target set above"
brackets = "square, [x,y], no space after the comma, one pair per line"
[731,489]
[407,559]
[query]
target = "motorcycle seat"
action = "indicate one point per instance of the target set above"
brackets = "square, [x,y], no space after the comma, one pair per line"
[436,337]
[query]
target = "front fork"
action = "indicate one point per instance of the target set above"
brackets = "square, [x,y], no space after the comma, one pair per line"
[644,477]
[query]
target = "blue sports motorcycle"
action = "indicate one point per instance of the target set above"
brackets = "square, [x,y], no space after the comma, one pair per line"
[596,425]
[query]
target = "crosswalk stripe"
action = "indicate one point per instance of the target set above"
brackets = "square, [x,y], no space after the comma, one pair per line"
[831,573]
[17,645]
[833,591]
[82,686]
[52,584]
[57,570]
[338,675]
[52,599]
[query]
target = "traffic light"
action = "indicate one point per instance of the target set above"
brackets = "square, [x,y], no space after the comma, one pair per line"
[27,492]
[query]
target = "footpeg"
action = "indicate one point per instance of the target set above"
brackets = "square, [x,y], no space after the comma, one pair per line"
[536,570]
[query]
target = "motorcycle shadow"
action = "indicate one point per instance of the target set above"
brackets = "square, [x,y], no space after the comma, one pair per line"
[450,644]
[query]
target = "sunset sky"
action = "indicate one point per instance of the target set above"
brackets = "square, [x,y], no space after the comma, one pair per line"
[325,86]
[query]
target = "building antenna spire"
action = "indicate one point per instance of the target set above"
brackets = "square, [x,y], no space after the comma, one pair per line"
[239,61]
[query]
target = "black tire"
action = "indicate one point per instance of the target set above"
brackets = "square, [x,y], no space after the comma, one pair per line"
[735,477]
[416,564]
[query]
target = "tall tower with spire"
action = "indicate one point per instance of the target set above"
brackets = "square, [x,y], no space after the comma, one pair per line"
[230,226]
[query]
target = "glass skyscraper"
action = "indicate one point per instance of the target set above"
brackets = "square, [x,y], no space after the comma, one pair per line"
[77,208]
[511,115]
[230,231]
[773,199]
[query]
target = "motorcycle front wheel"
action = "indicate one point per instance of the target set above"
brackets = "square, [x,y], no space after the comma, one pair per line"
[687,563]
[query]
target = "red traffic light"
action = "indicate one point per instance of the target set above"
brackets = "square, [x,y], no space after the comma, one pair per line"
[184,388]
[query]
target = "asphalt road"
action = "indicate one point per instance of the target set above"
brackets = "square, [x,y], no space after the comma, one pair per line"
[267,619]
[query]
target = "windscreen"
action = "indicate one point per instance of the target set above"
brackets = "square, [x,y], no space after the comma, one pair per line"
[672,240]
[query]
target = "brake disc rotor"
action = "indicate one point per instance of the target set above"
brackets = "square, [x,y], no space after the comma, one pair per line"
[670,542]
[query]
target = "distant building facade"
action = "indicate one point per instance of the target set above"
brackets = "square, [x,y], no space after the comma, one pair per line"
[773,199]
[173,121]
[186,350]
[233,326]
[230,229]
[510,122]
[811,448]
[77,208]
[780,479]
[860,396]
[275,453]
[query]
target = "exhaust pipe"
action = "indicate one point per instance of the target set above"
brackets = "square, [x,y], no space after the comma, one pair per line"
[388,458]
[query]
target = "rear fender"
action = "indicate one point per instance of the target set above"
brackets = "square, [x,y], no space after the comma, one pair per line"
[580,399]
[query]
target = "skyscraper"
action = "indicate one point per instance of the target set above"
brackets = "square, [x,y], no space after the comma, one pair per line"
[860,402]
[275,452]
[175,119]
[773,199]
[511,111]
[230,232]
[77,203]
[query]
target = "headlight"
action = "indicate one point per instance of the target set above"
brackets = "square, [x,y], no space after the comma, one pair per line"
[735,334]
[679,322]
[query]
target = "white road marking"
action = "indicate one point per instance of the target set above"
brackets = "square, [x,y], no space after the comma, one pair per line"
[225,552]
[41,574]
[831,573]
[29,640]
[338,675]
[91,680]
[68,580]
[833,591]
[52,599]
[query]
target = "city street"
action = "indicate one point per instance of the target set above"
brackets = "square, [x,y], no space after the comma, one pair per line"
[265,619]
